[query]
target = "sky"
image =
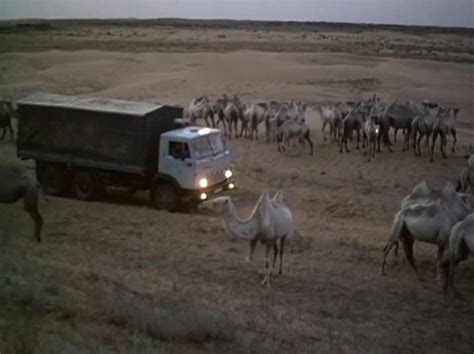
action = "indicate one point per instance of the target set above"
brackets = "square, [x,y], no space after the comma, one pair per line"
[406,12]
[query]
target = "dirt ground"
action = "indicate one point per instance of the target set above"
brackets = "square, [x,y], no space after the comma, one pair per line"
[117,276]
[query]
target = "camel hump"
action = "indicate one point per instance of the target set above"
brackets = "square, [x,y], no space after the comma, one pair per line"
[421,189]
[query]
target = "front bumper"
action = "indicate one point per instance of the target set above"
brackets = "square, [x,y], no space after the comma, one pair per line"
[217,188]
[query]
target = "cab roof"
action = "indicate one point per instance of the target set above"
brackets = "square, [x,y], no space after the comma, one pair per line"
[90,104]
[189,133]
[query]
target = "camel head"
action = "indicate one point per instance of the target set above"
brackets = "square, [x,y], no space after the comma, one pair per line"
[217,205]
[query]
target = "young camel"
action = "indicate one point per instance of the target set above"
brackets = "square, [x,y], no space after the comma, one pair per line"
[233,113]
[14,187]
[461,244]
[269,222]
[426,216]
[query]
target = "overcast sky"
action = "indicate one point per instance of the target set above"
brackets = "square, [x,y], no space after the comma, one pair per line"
[411,12]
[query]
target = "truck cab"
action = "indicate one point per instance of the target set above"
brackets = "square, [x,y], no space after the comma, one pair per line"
[195,162]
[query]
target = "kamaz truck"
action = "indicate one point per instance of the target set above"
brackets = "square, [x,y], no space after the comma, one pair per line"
[85,144]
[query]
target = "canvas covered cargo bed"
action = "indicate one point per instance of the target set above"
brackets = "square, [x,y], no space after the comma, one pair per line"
[93,132]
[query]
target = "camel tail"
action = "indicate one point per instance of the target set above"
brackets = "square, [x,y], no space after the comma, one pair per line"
[397,229]
[395,237]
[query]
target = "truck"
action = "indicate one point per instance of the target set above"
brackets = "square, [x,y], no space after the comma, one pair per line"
[81,145]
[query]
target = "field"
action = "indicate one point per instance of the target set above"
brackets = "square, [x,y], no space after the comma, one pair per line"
[116,276]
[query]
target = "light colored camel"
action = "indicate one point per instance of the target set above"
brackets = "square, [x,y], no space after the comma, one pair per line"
[445,124]
[269,222]
[15,186]
[371,133]
[461,245]
[330,115]
[422,126]
[427,215]
[218,108]
[200,108]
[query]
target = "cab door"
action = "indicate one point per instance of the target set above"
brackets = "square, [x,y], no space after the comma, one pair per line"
[177,163]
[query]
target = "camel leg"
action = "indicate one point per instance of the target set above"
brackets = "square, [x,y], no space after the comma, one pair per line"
[408,247]
[266,280]
[358,140]
[252,244]
[323,129]
[282,245]
[443,144]
[310,142]
[418,144]
[395,132]
[13,138]
[4,132]
[433,143]
[275,254]
[439,259]
[454,135]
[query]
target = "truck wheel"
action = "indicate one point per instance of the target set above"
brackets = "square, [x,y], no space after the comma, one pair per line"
[53,178]
[85,186]
[165,197]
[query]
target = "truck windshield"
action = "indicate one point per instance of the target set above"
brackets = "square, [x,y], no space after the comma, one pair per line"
[209,145]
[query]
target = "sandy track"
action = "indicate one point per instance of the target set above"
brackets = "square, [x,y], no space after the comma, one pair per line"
[331,297]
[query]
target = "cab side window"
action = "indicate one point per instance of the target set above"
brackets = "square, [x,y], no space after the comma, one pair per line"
[179,150]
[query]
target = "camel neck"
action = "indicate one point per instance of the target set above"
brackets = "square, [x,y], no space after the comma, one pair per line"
[246,229]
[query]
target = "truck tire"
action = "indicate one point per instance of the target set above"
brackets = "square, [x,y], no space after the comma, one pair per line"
[85,185]
[165,196]
[54,178]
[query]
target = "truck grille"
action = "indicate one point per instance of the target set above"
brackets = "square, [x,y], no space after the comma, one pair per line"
[215,178]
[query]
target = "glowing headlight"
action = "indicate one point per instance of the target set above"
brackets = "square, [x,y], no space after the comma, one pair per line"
[231,185]
[203,182]
[228,173]
[203,196]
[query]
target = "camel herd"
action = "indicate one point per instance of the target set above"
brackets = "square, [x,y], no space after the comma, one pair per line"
[284,121]
[371,120]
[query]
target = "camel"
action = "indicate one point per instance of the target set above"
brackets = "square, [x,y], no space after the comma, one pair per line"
[399,116]
[6,114]
[291,129]
[371,133]
[353,121]
[461,245]
[200,108]
[422,126]
[13,187]
[426,215]
[233,113]
[445,124]
[269,222]
[255,114]
[218,108]
[332,116]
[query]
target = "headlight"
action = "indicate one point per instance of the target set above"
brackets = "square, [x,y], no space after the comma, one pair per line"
[228,173]
[203,182]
